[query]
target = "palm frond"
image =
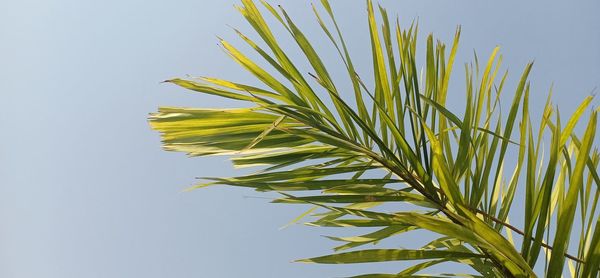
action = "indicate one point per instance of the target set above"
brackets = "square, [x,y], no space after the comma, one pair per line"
[458,176]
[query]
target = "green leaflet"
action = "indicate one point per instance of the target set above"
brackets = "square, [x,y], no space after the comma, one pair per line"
[397,196]
[374,237]
[442,275]
[390,197]
[351,223]
[382,255]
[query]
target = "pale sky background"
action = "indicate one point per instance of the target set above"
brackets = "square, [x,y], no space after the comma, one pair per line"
[86,190]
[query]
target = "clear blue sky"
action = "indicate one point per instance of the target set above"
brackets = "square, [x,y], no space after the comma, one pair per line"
[85,189]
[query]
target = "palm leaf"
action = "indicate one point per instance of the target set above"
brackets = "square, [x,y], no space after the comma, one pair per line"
[407,163]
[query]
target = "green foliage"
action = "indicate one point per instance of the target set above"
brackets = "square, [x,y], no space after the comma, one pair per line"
[397,142]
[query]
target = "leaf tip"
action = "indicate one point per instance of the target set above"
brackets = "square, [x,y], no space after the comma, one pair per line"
[306,261]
